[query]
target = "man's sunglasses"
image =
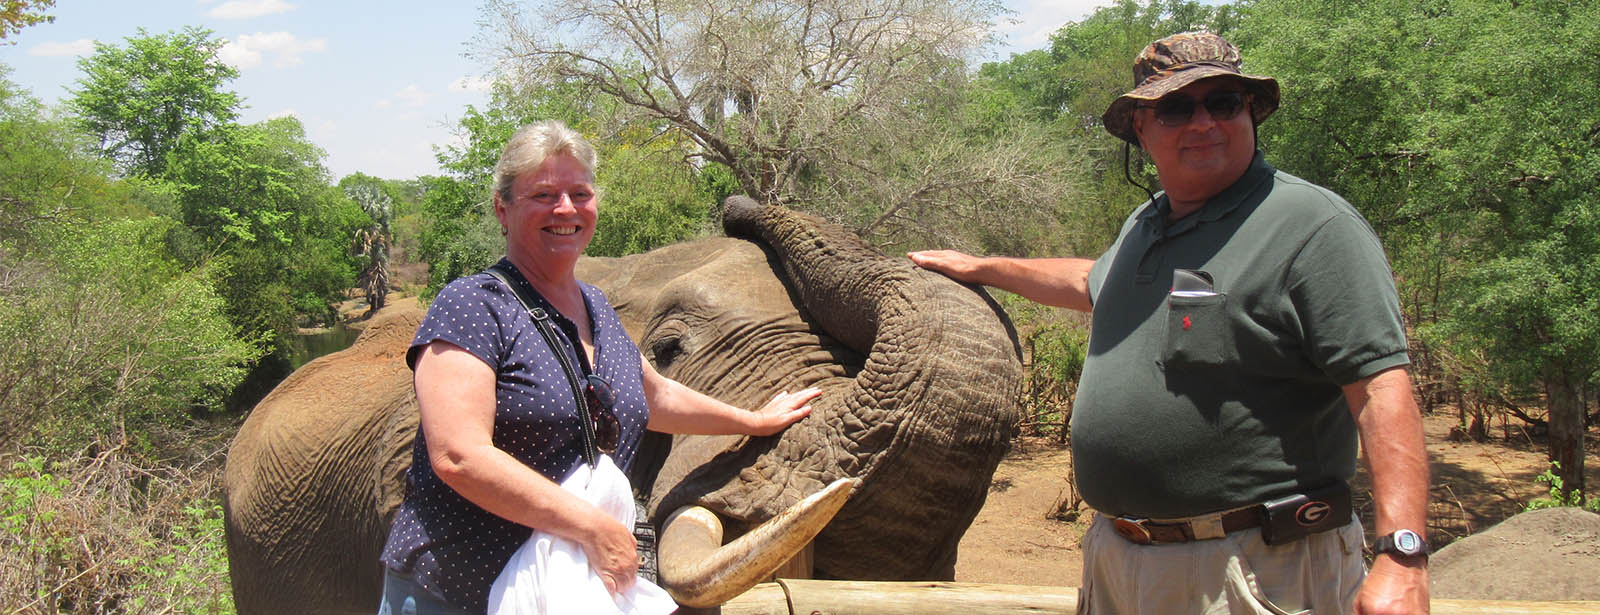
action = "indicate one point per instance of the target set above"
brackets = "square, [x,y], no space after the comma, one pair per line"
[602,404]
[1174,110]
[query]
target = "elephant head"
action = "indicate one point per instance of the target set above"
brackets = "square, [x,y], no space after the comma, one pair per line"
[918,373]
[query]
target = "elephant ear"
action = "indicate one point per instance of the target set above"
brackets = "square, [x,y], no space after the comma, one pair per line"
[923,417]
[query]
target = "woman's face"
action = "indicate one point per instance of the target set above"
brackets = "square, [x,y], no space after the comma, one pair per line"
[551,216]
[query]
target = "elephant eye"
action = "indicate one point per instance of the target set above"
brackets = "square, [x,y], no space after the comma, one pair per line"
[665,350]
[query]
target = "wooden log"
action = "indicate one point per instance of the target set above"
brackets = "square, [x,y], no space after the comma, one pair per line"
[1443,606]
[897,598]
[811,597]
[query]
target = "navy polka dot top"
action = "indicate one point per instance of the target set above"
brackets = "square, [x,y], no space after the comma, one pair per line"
[447,544]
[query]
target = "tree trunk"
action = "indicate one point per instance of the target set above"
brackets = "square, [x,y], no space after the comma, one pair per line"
[1566,427]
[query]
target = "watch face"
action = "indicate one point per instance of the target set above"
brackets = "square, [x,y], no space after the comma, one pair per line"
[1407,541]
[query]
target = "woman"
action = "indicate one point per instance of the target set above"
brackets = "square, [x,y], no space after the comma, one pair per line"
[499,425]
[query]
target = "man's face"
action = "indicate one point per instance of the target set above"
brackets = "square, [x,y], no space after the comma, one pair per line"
[1200,157]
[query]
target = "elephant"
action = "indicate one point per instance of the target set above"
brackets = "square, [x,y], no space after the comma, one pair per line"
[919,374]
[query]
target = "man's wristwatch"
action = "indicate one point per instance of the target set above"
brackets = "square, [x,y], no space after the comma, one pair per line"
[1402,542]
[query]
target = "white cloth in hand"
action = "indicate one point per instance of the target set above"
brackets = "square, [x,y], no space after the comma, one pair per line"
[551,575]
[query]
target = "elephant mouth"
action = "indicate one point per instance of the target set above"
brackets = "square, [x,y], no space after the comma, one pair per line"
[699,571]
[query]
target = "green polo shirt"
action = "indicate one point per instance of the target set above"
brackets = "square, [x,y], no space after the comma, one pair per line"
[1198,402]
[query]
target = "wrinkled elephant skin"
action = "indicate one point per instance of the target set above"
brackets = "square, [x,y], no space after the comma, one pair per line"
[919,377]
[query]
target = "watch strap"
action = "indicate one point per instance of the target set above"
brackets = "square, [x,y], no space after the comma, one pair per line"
[1390,543]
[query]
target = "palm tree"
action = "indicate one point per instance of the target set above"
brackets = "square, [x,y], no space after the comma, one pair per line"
[373,242]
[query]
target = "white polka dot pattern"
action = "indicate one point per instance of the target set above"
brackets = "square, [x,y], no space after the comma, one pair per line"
[449,545]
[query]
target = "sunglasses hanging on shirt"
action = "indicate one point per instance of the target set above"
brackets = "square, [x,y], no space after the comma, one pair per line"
[602,410]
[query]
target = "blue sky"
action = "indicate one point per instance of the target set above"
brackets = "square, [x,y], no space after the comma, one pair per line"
[377,84]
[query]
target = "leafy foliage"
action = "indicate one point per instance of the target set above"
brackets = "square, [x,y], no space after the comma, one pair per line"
[1069,85]
[108,335]
[1055,343]
[107,331]
[1559,495]
[18,14]
[142,98]
[649,197]
[259,203]
[372,243]
[1423,115]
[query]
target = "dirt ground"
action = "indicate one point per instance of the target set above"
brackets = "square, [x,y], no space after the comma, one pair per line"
[1021,537]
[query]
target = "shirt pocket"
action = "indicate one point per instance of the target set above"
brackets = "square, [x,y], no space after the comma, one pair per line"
[1199,332]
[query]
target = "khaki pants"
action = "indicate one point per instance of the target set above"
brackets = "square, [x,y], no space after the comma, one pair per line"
[1234,575]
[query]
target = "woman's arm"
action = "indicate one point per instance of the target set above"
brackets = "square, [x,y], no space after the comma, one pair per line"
[456,400]
[675,408]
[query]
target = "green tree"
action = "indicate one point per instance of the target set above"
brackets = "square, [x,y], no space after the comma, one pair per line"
[109,338]
[262,211]
[649,196]
[372,243]
[142,98]
[1440,121]
[405,226]
[44,180]
[109,335]
[18,14]
[1069,85]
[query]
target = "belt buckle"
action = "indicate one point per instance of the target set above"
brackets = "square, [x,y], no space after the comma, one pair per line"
[1132,530]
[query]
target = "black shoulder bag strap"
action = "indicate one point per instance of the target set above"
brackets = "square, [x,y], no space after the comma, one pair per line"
[644,534]
[541,321]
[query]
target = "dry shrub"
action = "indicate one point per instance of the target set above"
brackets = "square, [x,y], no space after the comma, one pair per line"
[104,532]
[1054,343]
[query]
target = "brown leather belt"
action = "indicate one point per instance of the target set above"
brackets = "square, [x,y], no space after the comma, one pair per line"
[1146,531]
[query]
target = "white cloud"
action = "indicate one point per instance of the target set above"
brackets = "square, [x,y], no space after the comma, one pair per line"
[477,84]
[411,96]
[283,113]
[248,9]
[80,47]
[1036,20]
[249,50]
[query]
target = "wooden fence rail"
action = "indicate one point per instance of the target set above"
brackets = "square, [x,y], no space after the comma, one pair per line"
[810,597]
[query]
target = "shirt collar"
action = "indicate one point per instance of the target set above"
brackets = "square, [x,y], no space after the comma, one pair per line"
[1219,205]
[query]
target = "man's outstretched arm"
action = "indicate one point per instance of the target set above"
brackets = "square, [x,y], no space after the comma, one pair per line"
[1061,282]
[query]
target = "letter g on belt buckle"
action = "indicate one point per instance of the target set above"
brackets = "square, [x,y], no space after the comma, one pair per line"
[1131,529]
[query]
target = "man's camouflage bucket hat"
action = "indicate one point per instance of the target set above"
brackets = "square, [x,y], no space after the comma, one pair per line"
[1176,61]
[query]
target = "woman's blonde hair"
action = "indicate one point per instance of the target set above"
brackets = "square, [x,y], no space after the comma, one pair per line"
[531,145]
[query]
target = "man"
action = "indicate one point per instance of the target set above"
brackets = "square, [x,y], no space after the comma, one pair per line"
[1246,329]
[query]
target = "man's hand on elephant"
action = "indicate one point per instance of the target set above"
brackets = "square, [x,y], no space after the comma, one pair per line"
[612,553]
[784,409]
[958,265]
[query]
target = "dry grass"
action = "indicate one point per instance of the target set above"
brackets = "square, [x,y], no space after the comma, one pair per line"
[104,532]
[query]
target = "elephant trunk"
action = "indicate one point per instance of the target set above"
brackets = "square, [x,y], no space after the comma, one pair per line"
[699,571]
[924,422]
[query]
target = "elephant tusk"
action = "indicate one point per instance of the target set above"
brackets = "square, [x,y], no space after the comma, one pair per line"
[699,571]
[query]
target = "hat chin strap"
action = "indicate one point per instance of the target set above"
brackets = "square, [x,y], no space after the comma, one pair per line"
[1127,153]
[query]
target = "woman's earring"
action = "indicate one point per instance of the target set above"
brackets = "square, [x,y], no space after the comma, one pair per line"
[504,231]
